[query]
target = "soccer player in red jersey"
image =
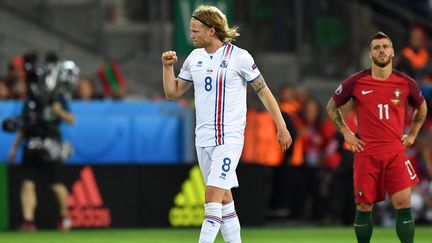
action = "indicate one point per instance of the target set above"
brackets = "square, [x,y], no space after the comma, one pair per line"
[380,163]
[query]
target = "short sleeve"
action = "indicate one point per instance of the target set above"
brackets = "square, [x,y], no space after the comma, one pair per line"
[345,90]
[247,67]
[415,97]
[185,73]
[65,103]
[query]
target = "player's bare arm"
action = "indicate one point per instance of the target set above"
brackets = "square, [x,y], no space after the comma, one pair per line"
[173,87]
[335,115]
[259,84]
[270,103]
[65,115]
[13,150]
[418,119]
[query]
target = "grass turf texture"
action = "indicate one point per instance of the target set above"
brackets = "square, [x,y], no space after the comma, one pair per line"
[249,235]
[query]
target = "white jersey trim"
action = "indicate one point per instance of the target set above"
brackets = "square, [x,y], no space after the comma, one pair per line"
[187,80]
[250,81]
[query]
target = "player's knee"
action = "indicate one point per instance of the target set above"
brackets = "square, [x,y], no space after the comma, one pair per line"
[365,207]
[28,185]
[58,187]
[228,198]
[214,194]
[402,203]
[226,201]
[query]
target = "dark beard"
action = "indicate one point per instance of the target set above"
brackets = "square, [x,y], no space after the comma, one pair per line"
[381,64]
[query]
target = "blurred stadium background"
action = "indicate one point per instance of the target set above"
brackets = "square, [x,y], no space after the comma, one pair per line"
[134,158]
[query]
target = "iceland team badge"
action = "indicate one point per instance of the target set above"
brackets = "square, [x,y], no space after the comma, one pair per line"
[223,64]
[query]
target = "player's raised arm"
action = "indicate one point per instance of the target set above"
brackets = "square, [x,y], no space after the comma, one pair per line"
[267,98]
[173,88]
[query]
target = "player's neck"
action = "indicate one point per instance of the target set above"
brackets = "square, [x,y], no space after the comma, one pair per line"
[381,73]
[214,46]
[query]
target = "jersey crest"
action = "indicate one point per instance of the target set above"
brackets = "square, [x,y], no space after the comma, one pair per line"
[397,93]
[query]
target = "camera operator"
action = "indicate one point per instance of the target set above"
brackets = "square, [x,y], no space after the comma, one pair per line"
[45,108]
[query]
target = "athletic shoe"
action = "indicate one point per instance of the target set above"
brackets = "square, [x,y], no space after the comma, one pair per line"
[64,224]
[27,226]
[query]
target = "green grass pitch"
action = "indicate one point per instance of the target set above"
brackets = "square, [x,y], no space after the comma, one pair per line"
[249,235]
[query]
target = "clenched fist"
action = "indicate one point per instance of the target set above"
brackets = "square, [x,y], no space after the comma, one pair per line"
[169,58]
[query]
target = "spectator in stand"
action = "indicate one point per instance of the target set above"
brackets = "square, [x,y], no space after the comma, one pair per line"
[416,61]
[302,95]
[86,90]
[19,90]
[288,100]
[15,71]
[283,197]
[310,185]
[15,78]
[339,162]
[4,90]
[290,106]
[112,80]
[261,147]
[422,194]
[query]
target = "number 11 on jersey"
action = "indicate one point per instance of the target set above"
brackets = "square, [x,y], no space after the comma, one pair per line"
[383,110]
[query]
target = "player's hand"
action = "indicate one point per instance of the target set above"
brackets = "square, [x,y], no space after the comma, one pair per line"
[407,140]
[284,139]
[57,108]
[355,143]
[169,58]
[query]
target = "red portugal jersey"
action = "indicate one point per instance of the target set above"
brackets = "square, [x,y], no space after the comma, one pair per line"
[380,107]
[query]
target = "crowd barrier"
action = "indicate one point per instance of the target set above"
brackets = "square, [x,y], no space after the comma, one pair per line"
[120,132]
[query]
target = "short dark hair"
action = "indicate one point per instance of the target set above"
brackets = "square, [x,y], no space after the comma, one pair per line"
[379,35]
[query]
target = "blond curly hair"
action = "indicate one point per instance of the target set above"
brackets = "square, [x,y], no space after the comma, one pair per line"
[212,17]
